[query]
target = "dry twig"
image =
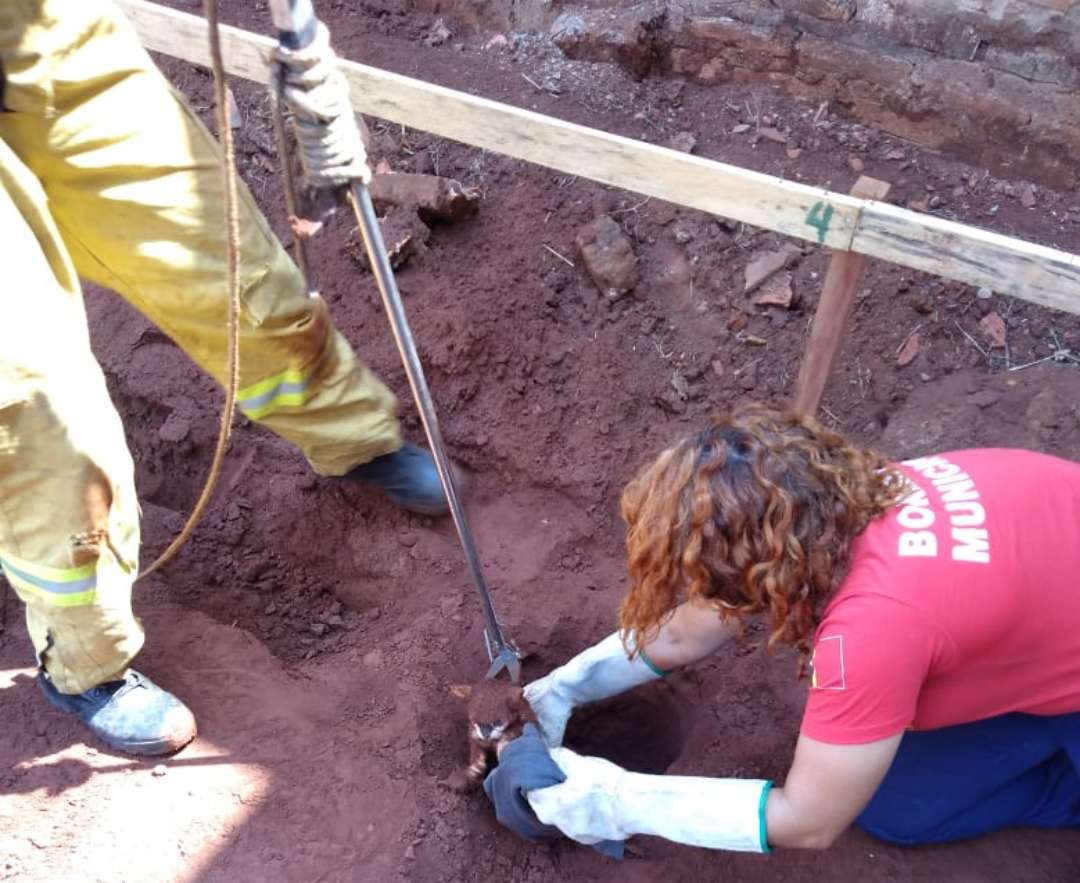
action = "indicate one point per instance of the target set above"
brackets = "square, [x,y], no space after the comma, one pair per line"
[1062,355]
[974,342]
[566,261]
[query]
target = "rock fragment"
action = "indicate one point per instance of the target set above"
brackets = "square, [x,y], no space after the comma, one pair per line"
[608,256]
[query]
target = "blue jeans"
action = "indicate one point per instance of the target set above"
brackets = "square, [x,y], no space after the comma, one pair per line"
[968,780]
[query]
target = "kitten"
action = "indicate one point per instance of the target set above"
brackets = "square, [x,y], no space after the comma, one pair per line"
[497,712]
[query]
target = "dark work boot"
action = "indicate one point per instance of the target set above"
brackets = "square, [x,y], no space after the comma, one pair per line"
[133,715]
[408,476]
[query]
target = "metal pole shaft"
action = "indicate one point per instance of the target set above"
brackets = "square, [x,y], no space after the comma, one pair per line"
[297,27]
[369,227]
[295,21]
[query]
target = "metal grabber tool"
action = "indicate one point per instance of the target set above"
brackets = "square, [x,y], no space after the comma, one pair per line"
[332,155]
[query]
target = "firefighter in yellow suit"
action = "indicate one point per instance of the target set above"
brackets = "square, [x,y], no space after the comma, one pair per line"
[108,176]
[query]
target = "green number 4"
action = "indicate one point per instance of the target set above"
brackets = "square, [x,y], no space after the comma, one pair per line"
[819,218]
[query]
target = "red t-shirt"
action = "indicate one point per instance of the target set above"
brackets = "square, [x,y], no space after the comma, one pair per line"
[962,603]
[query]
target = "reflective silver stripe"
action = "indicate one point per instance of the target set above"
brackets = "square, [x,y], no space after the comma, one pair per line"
[79,587]
[286,389]
[289,387]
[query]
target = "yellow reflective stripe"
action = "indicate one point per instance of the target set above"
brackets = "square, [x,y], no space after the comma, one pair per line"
[72,587]
[290,387]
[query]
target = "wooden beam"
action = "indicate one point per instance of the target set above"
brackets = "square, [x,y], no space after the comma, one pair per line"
[978,257]
[922,242]
[832,314]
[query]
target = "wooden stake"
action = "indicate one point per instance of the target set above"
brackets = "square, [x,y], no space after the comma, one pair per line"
[834,308]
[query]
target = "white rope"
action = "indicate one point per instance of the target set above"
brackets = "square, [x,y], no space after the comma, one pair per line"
[316,95]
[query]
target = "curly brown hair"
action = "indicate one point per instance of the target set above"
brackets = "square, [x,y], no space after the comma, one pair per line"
[754,514]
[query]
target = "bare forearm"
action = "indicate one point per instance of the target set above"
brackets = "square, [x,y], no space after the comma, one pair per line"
[786,827]
[828,786]
[692,633]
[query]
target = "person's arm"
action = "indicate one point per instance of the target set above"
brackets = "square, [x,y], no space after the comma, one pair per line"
[826,789]
[691,633]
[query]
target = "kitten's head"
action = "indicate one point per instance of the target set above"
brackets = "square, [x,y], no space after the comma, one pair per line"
[493,707]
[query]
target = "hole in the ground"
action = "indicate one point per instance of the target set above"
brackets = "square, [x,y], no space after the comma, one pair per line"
[643,731]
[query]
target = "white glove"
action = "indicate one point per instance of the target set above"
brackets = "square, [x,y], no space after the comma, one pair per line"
[601,671]
[316,93]
[601,801]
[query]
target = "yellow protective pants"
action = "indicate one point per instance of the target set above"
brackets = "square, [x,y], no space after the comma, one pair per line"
[107,175]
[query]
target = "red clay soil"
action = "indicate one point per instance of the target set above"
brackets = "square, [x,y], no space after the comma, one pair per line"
[314,628]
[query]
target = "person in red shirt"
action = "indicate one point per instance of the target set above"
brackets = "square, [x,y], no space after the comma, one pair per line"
[935,605]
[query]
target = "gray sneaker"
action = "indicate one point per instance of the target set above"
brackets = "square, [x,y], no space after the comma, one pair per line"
[133,715]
